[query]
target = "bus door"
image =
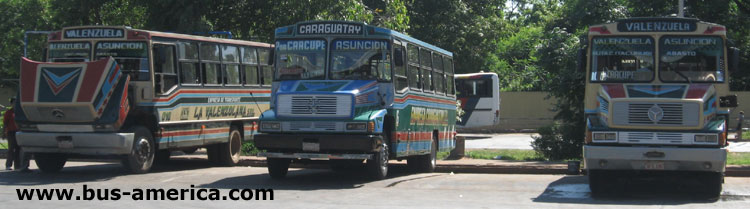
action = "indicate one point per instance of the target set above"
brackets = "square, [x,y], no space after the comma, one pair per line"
[165,82]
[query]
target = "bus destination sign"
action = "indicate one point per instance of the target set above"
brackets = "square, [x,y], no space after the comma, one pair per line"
[332,28]
[657,25]
[94,33]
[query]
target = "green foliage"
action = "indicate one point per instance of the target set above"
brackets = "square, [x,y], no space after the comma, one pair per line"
[459,111]
[248,148]
[738,158]
[559,141]
[505,154]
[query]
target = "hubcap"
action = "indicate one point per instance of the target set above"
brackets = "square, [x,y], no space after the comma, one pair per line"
[235,145]
[142,150]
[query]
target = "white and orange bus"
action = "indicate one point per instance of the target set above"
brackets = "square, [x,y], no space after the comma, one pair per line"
[137,94]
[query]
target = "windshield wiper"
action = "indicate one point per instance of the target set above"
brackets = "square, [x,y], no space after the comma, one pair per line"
[683,76]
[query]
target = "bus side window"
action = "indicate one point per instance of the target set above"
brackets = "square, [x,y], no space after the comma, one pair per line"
[264,57]
[164,68]
[250,66]
[448,68]
[438,76]
[426,64]
[211,63]
[230,61]
[401,82]
[189,65]
[413,67]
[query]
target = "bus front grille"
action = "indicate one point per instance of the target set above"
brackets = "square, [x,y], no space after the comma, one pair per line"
[314,105]
[650,114]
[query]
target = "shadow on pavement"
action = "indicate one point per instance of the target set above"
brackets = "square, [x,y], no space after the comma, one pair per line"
[641,191]
[312,179]
[99,171]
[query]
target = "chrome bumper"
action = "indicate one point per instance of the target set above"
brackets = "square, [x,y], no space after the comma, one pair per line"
[655,158]
[315,156]
[76,143]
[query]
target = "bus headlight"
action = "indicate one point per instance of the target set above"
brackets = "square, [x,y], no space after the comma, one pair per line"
[706,138]
[356,126]
[270,126]
[604,137]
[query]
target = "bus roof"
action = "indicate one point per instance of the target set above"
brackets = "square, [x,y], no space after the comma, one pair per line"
[292,31]
[475,75]
[126,33]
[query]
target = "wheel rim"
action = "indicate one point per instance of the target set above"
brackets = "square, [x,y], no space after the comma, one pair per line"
[142,150]
[383,158]
[235,145]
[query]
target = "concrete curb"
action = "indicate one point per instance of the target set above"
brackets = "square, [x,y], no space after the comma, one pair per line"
[460,166]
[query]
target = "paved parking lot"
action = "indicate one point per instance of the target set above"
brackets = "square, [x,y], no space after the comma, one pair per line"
[322,188]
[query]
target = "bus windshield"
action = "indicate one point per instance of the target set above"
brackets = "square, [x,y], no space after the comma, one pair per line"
[69,52]
[691,59]
[473,88]
[622,59]
[131,56]
[359,59]
[300,59]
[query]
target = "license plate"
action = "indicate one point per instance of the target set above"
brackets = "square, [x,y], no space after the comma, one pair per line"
[309,146]
[65,144]
[654,166]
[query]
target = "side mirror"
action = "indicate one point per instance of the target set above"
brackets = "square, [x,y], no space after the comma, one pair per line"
[734,59]
[728,101]
[582,58]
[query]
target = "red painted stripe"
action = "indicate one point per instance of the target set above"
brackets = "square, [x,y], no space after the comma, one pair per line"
[211,91]
[697,91]
[195,132]
[614,90]
[124,105]
[112,77]
[94,71]
[28,79]
[428,99]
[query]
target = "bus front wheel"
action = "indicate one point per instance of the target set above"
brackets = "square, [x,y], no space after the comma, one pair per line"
[377,166]
[141,156]
[50,162]
[278,167]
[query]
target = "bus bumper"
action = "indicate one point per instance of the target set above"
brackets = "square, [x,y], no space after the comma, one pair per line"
[76,143]
[328,143]
[654,158]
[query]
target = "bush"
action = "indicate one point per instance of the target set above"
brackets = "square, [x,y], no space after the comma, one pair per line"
[248,148]
[559,142]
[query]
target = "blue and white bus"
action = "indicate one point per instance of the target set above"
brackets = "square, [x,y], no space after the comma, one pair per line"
[350,92]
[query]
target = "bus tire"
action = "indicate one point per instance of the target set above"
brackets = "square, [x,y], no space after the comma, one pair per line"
[229,152]
[602,182]
[713,184]
[142,154]
[425,163]
[212,151]
[50,162]
[278,167]
[377,167]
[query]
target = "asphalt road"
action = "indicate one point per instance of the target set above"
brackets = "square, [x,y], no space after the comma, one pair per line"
[322,188]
